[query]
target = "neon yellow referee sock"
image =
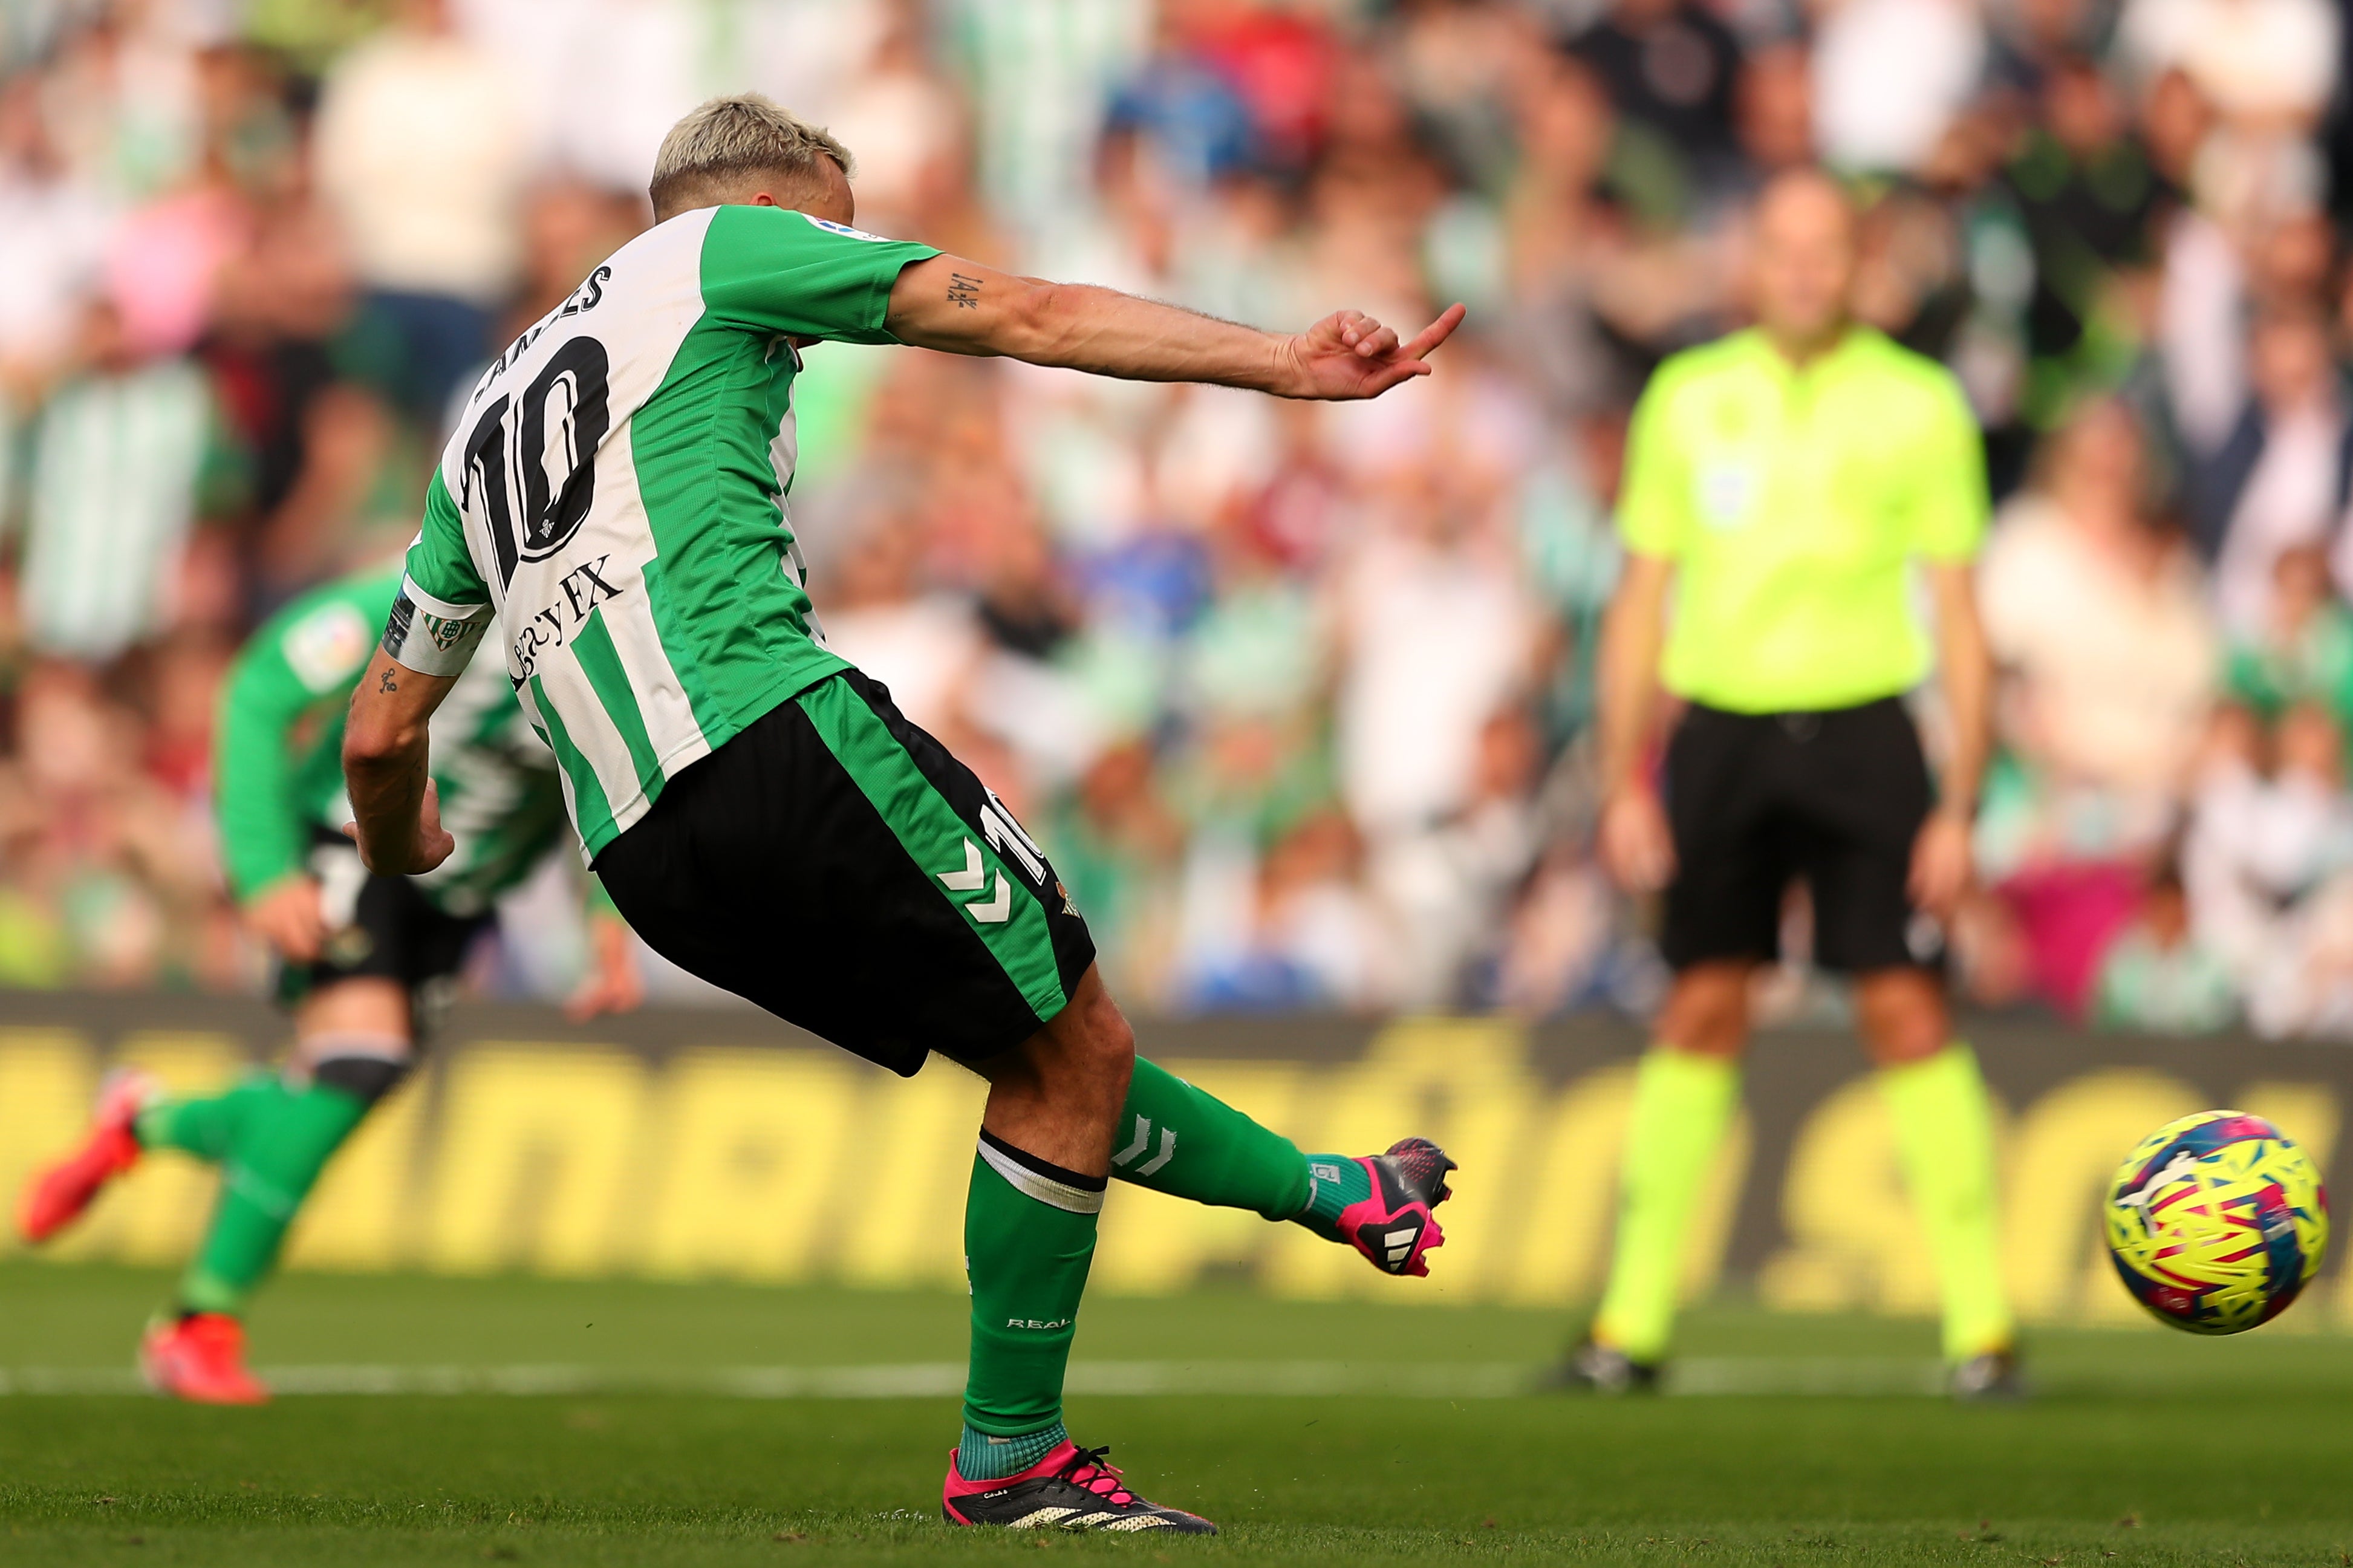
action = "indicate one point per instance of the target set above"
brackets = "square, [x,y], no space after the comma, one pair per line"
[1682,1104]
[1944,1134]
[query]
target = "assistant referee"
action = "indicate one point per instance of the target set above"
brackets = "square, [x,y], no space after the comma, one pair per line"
[1783,487]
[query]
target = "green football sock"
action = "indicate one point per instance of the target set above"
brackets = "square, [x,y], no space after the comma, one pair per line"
[1336,1181]
[274,1152]
[1175,1139]
[209,1128]
[981,1457]
[1683,1102]
[1944,1135]
[1029,1237]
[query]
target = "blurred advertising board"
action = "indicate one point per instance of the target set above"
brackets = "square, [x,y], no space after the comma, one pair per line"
[718,1143]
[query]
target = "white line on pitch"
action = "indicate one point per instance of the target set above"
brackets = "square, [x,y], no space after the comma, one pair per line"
[1702,1375]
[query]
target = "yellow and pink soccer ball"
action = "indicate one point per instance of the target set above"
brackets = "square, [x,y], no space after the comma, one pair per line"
[2216,1222]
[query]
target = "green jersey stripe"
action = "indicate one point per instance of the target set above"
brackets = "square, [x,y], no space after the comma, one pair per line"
[700,702]
[593,646]
[591,814]
[938,840]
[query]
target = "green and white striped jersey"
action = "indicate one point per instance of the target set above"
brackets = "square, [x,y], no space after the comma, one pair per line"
[277,768]
[119,465]
[614,499]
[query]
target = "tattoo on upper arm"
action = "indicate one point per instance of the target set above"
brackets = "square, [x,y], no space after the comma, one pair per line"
[964,292]
[386,683]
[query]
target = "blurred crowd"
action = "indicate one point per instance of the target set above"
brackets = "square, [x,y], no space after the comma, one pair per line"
[1298,695]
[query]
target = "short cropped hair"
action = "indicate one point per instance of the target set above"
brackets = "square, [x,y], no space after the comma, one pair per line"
[711,148]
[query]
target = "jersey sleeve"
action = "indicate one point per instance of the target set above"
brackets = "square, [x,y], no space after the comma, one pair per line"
[311,653]
[1654,498]
[443,608]
[1950,504]
[777,271]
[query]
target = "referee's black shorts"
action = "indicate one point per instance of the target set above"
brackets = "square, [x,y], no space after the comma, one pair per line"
[1758,801]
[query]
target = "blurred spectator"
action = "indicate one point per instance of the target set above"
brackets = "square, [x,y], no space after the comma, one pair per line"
[2256,59]
[313,441]
[2108,659]
[2271,836]
[1436,641]
[2097,622]
[2304,651]
[54,231]
[2278,479]
[420,151]
[118,469]
[1189,113]
[1890,77]
[1670,68]
[2158,977]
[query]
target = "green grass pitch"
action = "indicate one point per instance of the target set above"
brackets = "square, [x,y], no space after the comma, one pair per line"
[632,1439]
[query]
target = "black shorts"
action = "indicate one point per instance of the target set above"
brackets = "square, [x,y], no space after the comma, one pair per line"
[834,864]
[378,927]
[1758,801]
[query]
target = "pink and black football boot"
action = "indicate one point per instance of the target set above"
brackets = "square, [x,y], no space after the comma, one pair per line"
[1071,1489]
[59,1194]
[1394,1227]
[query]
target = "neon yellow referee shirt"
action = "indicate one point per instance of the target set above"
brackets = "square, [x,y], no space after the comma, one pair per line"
[1792,501]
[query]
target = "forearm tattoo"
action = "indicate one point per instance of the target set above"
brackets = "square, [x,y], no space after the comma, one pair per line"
[964,292]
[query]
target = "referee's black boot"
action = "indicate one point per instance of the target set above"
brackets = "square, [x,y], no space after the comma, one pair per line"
[1595,1368]
[1994,1375]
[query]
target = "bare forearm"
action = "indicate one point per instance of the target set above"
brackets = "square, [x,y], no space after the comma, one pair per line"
[1969,697]
[387,796]
[1105,332]
[1076,326]
[1964,671]
[1630,640]
[961,307]
[387,767]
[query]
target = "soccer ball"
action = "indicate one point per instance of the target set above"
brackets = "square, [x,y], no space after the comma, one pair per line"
[2216,1222]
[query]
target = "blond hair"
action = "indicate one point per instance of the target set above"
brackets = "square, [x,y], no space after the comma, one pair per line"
[727,138]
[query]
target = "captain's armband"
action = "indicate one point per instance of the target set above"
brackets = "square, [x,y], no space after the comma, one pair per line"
[430,636]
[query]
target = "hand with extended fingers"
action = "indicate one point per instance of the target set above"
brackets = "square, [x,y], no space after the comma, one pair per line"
[1348,355]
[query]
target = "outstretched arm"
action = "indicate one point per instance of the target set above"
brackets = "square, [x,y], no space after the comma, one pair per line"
[961,306]
[396,816]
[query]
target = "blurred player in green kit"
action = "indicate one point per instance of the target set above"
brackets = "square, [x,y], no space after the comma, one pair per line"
[362,960]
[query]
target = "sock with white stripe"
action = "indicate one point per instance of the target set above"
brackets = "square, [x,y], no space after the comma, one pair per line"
[1175,1139]
[1029,1238]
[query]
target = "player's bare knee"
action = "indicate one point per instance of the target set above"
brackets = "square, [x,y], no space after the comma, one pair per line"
[365,1066]
[1903,1016]
[1707,1012]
